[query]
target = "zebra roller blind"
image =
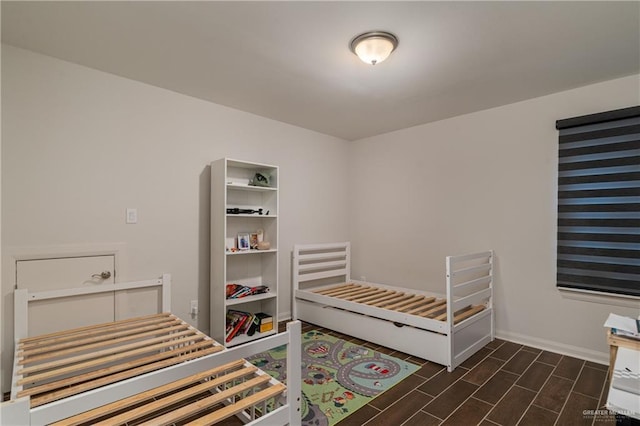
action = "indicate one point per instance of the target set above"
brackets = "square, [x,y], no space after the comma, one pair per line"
[599,202]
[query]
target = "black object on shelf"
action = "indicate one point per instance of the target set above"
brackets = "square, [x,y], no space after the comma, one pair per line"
[236,210]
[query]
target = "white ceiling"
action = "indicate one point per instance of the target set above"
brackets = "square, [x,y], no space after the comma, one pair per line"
[290,61]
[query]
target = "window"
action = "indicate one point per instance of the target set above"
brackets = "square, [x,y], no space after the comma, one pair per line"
[599,202]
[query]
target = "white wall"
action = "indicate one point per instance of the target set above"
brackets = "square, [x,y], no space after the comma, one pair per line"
[79,146]
[481,181]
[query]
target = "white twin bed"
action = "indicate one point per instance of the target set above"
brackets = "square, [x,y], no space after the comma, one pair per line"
[150,370]
[445,329]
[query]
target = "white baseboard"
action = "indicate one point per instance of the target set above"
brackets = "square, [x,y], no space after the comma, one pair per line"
[551,346]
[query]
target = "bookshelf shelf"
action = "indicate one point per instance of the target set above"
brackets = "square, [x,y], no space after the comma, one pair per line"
[248,252]
[248,299]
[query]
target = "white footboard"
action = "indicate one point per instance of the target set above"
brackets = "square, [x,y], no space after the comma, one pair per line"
[469,284]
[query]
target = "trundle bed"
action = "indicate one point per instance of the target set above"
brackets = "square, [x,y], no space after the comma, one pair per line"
[151,370]
[445,329]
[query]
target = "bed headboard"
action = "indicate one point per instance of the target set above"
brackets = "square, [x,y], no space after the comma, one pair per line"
[313,262]
[22,297]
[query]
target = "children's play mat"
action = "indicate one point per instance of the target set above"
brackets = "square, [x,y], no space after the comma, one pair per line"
[338,377]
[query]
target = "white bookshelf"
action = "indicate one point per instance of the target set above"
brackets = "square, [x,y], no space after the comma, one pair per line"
[231,188]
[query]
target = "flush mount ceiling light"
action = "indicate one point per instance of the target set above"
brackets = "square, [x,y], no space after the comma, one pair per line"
[374,47]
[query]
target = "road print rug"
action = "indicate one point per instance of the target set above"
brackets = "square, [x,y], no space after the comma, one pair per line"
[338,377]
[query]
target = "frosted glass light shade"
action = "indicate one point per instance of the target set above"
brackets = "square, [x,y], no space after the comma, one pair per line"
[374,47]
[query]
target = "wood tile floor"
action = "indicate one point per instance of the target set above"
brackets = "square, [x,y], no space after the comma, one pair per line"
[503,384]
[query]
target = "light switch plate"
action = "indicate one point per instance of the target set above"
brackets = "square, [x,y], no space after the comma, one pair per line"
[132,215]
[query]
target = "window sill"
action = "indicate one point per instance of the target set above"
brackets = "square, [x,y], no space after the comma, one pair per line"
[601,298]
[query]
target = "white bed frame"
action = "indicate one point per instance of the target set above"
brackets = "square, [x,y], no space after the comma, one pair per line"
[317,267]
[18,410]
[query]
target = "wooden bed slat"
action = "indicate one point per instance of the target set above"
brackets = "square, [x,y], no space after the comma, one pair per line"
[458,313]
[479,297]
[396,297]
[239,406]
[384,298]
[99,368]
[150,394]
[95,337]
[106,356]
[466,314]
[372,295]
[177,397]
[202,404]
[396,300]
[347,291]
[436,302]
[358,294]
[328,291]
[431,312]
[98,328]
[412,305]
[102,380]
[157,404]
[355,292]
[391,294]
[55,353]
[413,298]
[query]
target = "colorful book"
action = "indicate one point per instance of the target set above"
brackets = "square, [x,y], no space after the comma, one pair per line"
[235,320]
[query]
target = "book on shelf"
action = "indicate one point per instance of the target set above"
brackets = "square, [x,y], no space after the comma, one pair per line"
[236,291]
[240,322]
[234,323]
[265,322]
[252,325]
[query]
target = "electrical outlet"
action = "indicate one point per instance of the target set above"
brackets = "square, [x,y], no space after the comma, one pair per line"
[194,308]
